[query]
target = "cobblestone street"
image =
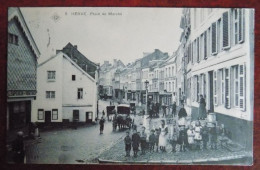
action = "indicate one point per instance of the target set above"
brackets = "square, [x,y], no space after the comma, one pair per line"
[71,146]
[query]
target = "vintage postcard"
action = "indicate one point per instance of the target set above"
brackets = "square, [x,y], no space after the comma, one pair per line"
[99,85]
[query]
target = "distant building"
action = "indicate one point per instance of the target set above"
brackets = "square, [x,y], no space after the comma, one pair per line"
[21,71]
[66,92]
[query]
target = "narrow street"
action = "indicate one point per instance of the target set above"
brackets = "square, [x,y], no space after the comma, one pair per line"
[71,146]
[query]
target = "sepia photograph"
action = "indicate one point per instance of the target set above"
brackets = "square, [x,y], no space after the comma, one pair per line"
[130,85]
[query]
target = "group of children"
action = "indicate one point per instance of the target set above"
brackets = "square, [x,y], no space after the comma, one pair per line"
[191,138]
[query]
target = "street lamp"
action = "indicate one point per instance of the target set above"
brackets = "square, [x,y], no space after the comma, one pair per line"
[146,87]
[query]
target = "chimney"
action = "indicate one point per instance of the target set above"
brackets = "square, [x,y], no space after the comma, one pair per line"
[76,47]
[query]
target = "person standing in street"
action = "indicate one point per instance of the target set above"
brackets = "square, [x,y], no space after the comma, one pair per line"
[174,97]
[152,140]
[190,134]
[164,109]
[213,136]
[101,123]
[174,109]
[174,135]
[143,137]
[183,139]
[182,112]
[197,136]
[202,108]
[163,136]
[18,148]
[205,135]
[135,142]
[127,141]
[182,98]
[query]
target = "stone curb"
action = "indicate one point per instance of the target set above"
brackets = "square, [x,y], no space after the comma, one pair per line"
[176,161]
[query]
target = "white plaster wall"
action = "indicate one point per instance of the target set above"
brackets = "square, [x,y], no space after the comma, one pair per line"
[43,85]
[70,88]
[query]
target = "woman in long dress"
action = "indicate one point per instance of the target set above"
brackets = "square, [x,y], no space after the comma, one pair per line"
[202,108]
[163,136]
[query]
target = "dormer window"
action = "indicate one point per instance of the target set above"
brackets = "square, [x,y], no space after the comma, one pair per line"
[51,75]
[12,39]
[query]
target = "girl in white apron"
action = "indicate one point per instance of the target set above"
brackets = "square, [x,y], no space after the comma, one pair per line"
[163,136]
[197,136]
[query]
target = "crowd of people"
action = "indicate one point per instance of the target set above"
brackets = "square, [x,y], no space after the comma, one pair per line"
[198,134]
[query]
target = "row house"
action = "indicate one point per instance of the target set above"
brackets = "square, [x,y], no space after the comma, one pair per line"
[22,56]
[67,89]
[218,52]
[107,79]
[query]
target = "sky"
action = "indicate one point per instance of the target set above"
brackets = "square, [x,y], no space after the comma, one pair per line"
[126,35]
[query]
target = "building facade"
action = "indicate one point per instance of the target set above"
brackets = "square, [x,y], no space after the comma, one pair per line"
[21,71]
[220,64]
[66,92]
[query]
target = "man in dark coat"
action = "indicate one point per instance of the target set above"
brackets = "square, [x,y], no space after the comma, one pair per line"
[101,123]
[174,109]
[182,112]
[18,148]
[135,142]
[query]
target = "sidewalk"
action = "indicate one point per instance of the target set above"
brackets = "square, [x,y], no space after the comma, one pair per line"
[116,154]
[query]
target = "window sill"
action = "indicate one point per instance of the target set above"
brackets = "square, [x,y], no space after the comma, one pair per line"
[51,80]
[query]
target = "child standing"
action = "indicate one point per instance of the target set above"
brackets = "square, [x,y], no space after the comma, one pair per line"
[213,137]
[143,140]
[135,142]
[190,134]
[174,135]
[127,141]
[205,135]
[157,135]
[197,136]
[183,138]
[152,140]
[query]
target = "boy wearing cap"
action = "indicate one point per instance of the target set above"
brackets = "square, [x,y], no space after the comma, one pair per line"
[135,142]
[152,140]
[127,141]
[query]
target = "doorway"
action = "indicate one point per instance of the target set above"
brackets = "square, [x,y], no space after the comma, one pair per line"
[47,117]
[89,116]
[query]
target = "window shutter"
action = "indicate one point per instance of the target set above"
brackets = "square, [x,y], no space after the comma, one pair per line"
[205,45]
[198,49]
[215,88]
[227,88]
[242,87]
[214,38]
[226,30]
[241,25]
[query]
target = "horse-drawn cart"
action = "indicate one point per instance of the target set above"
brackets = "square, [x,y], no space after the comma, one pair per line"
[122,118]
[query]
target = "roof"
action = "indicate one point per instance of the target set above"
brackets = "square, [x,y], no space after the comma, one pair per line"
[82,60]
[70,60]
[15,13]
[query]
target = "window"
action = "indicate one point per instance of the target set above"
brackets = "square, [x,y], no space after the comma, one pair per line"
[208,42]
[73,77]
[242,91]
[236,86]
[12,39]
[227,88]
[40,114]
[170,86]
[222,85]
[166,72]
[205,45]
[80,93]
[54,114]
[226,30]
[219,37]
[214,38]
[198,88]
[50,94]
[215,88]
[51,75]
[238,26]
[198,50]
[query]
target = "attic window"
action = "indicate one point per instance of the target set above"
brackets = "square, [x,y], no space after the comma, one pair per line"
[12,39]
[73,77]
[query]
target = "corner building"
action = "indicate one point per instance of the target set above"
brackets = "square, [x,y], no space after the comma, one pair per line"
[220,65]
